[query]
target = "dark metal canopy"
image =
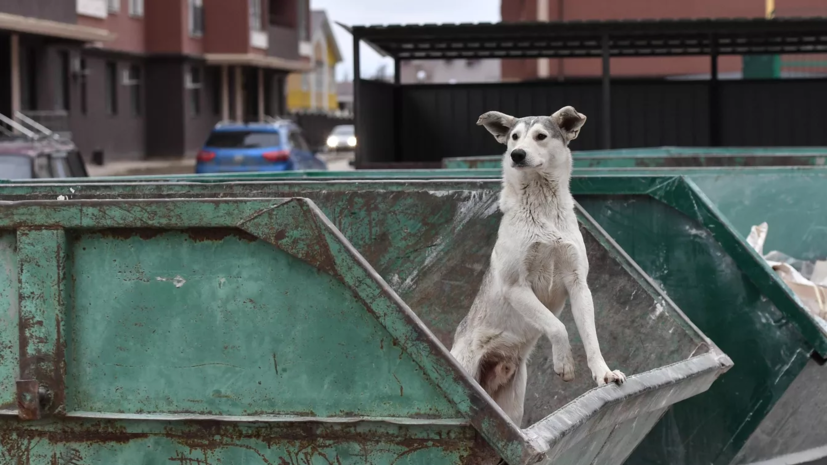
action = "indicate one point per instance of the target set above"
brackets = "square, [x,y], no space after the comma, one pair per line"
[588,38]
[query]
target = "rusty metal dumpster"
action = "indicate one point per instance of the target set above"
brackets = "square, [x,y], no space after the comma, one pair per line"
[405,228]
[671,157]
[415,217]
[249,330]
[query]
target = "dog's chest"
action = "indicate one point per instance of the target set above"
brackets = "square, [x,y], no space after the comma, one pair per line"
[540,258]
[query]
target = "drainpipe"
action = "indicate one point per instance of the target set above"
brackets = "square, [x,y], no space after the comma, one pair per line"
[561,64]
[225,93]
[542,16]
[239,94]
[261,94]
[15,74]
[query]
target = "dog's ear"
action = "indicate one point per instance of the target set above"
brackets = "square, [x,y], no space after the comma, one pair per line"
[497,124]
[570,121]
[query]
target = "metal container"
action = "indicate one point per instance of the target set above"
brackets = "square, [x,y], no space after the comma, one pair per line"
[675,233]
[226,323]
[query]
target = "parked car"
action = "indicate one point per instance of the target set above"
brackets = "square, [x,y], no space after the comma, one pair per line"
[342,139]
[29,150]
[269,146]
[24,159]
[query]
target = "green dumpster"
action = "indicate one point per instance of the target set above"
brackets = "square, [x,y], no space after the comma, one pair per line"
[668,227]
[671,157]
[225,324]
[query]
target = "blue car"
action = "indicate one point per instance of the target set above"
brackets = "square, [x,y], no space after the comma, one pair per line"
[272,146]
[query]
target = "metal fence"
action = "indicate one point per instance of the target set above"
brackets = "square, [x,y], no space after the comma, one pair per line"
[425,123]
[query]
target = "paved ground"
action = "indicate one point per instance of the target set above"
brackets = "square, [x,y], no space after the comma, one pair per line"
[335,162]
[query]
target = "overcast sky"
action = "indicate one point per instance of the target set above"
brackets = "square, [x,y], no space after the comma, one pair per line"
[375,12]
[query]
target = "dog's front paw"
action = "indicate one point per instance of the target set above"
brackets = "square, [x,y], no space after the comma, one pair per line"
[615,376]
[564,364]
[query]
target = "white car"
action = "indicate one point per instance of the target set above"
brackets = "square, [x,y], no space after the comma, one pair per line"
[342,139]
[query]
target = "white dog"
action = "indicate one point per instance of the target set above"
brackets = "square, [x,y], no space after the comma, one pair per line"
[539,260]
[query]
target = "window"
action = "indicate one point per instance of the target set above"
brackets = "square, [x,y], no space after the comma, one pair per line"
[114,6]
[111,88]
[318,77]
[133,80]
[301,23]
[136,7]
[194,85]
[62,95]
[196,18]
[84,90]
[60,167]
[28,78]
[15,167]
[255,15]
[243,140]
[41,167]
[281,14]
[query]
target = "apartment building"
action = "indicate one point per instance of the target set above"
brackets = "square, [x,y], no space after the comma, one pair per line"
[148,78]
[602,10]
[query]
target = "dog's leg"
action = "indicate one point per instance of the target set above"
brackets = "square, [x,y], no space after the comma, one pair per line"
[582,308]
[511,397]
[523,299]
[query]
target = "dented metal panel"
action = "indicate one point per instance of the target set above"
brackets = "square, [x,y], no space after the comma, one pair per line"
[212,331]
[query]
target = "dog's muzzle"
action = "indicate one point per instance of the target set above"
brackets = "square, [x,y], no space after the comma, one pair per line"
[518,157]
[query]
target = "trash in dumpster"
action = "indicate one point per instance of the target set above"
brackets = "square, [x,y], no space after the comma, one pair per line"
[808,280]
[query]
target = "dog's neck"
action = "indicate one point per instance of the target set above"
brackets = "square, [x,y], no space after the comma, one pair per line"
[541,193]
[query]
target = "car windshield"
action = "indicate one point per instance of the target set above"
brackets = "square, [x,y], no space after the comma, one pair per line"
[243,139]
[15,167]
[342,131]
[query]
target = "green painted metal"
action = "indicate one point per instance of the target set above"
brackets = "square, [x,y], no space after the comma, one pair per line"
[409,228]
[670,157]
[248,329]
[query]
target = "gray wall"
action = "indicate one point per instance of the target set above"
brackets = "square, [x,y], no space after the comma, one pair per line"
[173,130]
[437,121]
[120,136]
[54,10]
[165,126]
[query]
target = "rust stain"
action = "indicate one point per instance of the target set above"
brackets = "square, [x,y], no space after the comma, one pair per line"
[219,234]
[195,234]
[128,233]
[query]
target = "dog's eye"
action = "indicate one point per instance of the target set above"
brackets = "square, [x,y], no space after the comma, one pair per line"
[515,136]
[541,136]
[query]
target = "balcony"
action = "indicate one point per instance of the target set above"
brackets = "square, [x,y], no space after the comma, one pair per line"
[92,8]
[259,40]
[283,42]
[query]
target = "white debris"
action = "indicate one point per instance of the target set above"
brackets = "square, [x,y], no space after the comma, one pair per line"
[62,197]
[812,292]
[178,281]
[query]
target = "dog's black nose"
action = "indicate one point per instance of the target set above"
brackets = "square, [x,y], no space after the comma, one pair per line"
[518,155]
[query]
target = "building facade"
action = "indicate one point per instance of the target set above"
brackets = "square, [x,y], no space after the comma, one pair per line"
[316,89]
[147,78]
[602,10]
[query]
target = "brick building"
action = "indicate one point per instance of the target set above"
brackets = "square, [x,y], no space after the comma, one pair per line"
[148,78]
[601,10]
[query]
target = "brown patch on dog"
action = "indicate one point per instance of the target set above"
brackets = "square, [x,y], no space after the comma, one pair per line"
[496,371]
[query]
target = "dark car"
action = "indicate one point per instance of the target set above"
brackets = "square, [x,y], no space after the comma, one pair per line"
[26,159]
[244,147]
